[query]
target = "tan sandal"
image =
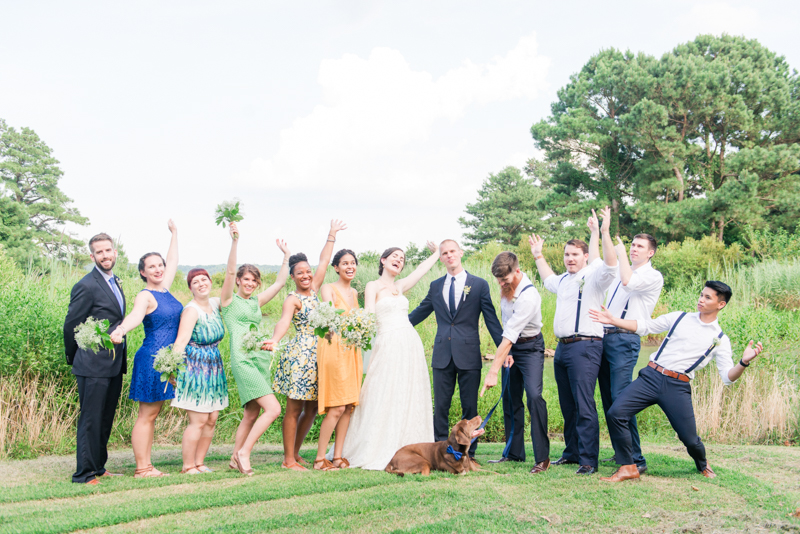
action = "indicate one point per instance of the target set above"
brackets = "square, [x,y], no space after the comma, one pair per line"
[342,462]
[147,472]
[294,466]
[248,472]
[186,470]
[326,465]
[302,461]
[203,468]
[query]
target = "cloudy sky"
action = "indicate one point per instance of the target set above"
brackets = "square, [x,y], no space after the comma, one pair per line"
[386,114]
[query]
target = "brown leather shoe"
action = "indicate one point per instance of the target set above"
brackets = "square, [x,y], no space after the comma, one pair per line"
[541,467]
[708,472]
[625,472]
[94,482]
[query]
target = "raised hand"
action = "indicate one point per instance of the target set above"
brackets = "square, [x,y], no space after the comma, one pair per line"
[283,246]
[751,353]
[593,223]
[337,225]
[603,316]
[431,246]
[620,247]
[233,230]
[605,213]
[171,226]
[537,243]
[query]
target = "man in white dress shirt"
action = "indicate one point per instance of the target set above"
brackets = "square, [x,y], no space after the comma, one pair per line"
[632,295]
[522,352]
[693,340]
[580,340]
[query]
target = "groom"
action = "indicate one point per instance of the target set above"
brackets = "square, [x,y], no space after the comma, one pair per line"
[458,299]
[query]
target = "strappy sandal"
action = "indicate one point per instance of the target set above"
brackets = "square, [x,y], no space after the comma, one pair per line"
[186,470]
[145,472]
[302,461]
[326,465]
[343,463]
[204,469]
[294,466]
[248,472]
[232,465]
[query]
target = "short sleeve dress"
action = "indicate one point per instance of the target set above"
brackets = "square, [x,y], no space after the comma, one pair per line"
[250,369]
[202,387]
[296,376]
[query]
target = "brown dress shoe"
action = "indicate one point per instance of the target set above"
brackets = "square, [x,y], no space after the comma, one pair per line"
[541,467]
[708,472]
[94,482]
[625,472]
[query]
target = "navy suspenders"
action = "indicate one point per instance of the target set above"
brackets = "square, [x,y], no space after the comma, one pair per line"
[580,298]
[704,356]
[524,289]
[625,311]
[669,335]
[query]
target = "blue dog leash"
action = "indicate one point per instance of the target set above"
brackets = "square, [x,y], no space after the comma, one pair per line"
[489,415]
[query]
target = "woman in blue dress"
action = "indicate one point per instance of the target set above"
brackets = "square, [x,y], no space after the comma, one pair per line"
[160,313]
[201,389]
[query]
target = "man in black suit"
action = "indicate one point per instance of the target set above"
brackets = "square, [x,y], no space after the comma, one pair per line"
[458,299]
[99,375]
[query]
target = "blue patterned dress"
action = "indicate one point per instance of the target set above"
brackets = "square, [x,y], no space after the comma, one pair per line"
[160,330]
[202,387]
[296,376]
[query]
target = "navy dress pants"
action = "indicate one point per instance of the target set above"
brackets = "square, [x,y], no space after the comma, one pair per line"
[576,366]
[525,376]
[620,353]
[98,400]
[444,385]
[673,396]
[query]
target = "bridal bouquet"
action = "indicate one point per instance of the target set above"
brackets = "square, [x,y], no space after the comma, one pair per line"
[358,328]
[253,339]
[169,363]
[228,212]
[92,335]
[325,319]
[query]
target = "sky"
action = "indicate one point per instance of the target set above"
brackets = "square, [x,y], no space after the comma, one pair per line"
[388,115]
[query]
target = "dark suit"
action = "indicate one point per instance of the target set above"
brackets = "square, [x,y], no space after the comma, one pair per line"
[99,376]
[457,348]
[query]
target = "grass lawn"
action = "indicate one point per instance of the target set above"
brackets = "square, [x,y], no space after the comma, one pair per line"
[755,491]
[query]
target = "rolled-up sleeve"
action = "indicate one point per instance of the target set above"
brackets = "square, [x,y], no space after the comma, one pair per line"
[644,282]
[602,275]
[524,312]
[551,283]
[662,323]
[723,355]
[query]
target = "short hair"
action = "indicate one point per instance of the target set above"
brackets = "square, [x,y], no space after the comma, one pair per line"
[504,264]
[388,252]
[341,254]
[581,244]
[196,272]
[723,290]
[249,268]
[102,236]
[141,263]
[450,241]
[294,259]
[650,239]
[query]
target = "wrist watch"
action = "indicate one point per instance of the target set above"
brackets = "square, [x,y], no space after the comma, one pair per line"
[741,362]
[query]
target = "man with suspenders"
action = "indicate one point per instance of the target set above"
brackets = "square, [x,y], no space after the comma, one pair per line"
[580,340]
[693,340]
[522,352]
[632,295]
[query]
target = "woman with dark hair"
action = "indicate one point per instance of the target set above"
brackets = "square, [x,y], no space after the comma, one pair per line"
[160,312]
[296,376]
[241,310]
[201,389]
[339,368]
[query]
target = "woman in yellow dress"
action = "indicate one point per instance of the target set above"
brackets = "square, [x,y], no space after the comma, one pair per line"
[339,368]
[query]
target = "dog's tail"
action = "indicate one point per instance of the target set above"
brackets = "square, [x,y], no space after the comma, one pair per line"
[391,469]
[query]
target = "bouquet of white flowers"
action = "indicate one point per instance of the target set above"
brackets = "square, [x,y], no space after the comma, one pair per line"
[169,363]
[93,335]
[358,328]
[253,339]
[325,319]
[228,212]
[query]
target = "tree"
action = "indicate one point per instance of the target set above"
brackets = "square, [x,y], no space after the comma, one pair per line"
[506,209]
[15,234]
[30,176]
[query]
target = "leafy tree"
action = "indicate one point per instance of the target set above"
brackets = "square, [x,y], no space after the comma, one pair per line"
[15,235]
[30,176]
[505,209]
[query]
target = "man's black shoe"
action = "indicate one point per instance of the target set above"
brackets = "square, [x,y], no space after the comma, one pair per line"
[503,459]
[642,469]
[612,459]
[586,470]
[563,461]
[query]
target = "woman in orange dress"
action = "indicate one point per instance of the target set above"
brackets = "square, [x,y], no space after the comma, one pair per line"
[339,368]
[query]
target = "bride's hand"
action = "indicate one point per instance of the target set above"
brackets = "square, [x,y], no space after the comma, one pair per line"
[431,246]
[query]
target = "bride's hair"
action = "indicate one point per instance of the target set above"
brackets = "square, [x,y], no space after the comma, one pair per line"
[294,259]
[388,252]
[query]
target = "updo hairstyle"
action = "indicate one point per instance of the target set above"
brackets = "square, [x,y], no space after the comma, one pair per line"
[341,254]
[294,259]
[141,263]
[248,268]
[388,252]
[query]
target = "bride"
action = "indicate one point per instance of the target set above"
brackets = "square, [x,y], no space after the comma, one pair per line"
[395,406]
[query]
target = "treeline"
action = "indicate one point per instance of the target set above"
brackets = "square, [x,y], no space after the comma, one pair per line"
[704,141]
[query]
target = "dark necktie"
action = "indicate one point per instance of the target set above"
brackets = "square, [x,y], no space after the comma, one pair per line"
[117,293]
[451,301]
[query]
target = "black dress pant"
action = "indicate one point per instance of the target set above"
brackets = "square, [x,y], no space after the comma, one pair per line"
[576,366]
[98,401]
[525,376]
[444,385]
[673,396]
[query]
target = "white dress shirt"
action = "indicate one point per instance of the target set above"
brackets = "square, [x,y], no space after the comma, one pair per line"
[461,280]
[687,344]
[639,296]
[597,276]
[522,316]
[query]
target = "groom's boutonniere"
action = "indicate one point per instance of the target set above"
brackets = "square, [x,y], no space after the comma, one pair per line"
[467,289]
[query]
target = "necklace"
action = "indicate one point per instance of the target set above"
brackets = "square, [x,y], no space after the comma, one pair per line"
[394,291]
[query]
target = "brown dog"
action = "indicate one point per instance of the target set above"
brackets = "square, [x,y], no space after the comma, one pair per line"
[426,457]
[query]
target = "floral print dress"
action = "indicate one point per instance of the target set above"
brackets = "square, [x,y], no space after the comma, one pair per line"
[296,376]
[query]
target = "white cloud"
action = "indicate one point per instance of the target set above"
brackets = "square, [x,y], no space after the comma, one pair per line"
[720,17]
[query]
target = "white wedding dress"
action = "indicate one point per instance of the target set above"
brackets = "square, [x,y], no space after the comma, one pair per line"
[395,408]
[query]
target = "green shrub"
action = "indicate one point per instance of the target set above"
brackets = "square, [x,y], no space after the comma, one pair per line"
[680,263]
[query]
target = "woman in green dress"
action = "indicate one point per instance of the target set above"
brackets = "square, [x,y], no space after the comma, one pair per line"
[250,369]
[296,376]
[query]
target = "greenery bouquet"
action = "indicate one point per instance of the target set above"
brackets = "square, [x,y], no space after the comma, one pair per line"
[228,212]
[253,339]
[169,363]
[92,334]
[358,328]
[325,319]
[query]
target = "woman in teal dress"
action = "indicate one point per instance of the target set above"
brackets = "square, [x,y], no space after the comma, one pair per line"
[240,310]
[296,376]
[201,389]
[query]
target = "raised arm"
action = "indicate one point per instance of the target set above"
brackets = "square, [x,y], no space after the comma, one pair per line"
[325,255]
[228,286]
[290,306]
[140,305]
[370,296]
[416,275]
[172,256]
[594,240]
[537,243]
[188,322]
[625,271]
[749,354]
[609,255]
[280,281]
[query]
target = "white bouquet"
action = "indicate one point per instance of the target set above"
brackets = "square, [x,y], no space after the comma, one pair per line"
[325,319]
[169,363]
[253,339]
[92,334]
[358,328]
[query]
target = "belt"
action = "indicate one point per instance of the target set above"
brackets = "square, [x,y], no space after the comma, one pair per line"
[573,339]
[607,331]
[666,372]
[528,339]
